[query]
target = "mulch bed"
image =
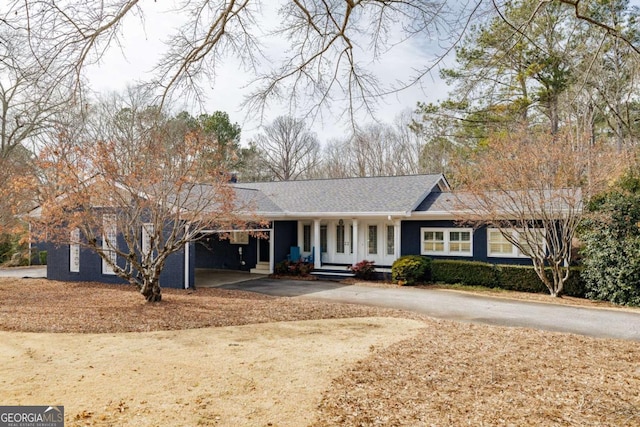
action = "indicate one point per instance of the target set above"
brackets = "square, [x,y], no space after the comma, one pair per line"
[40,305]
[450,374]
[456,374]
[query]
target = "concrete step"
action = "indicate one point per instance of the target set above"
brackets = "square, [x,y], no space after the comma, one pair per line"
[332,274]
[261,268]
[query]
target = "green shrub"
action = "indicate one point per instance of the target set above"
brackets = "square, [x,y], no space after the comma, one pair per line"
[520,278]
[575,285]
[13,249]
[472,273]
[611,244]
[42,257]
[523,278]
[6,248]
[411,269]
[364,270]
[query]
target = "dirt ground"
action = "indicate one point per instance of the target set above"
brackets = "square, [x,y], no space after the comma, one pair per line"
[228,358]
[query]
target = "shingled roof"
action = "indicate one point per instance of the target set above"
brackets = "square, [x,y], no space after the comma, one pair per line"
[507,203]
[393,195]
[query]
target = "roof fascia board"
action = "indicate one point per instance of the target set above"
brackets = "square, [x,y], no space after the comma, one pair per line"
[336,215]
[461,214]
[439,183]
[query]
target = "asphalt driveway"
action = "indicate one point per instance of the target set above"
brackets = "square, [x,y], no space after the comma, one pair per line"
[462,307]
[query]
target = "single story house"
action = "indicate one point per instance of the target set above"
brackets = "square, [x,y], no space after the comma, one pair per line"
[332,223]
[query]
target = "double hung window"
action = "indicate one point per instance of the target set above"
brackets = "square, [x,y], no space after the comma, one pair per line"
[445,241]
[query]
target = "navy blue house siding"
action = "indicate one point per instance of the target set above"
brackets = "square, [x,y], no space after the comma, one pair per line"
[411,242]
[90,266]
[286,235]
[214,252]
[172,275]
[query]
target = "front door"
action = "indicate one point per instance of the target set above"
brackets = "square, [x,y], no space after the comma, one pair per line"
[372,242]
[379,243]
[342,251]
[263,250]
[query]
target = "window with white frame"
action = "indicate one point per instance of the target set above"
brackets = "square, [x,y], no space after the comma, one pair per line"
[500,246]
[109,242]
[351,239]
[372,238]
[391,240]
[444,241]
[74,251]
[323,239]
[460,242]
[306,238]
[340,237]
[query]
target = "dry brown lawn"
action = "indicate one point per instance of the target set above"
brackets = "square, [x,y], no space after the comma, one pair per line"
[216,357]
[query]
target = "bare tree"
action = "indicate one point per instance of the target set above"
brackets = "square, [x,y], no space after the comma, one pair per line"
[331,43]
[531,187]
[409,146]
[334,161]
[379,149]
[289,149]
[134,191]
[32,93]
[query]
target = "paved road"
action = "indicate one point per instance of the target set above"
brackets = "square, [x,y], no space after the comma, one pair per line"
[464,307]
[32,271]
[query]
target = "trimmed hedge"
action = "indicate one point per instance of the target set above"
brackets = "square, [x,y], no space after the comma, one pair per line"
[411,269]
[512,277]
[519,278]
[472,273]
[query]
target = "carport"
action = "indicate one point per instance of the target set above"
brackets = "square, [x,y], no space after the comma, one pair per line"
[235,251]
[211,278]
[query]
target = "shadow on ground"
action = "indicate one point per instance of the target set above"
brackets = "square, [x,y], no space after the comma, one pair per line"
[284,287]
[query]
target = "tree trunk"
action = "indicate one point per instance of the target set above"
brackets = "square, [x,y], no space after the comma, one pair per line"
[555,285]
[151,291]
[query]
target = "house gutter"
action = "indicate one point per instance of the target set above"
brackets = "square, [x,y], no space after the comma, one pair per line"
[337,215]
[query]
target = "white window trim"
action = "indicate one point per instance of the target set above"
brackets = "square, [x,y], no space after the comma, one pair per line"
[390,244]
[74,251]
[447,232]
[515,251]
[108,222]
[309,248]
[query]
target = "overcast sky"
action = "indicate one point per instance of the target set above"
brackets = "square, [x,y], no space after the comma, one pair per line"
[143,45]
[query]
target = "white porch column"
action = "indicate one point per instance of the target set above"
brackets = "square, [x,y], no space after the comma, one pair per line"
[187,256]
[356,244]
[300,235]
[271,250]
[317,252]
[396,238]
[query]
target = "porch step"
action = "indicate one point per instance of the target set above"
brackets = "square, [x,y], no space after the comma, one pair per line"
[261,268]
[332,274]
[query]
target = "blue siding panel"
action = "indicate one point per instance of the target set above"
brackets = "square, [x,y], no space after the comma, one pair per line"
[286,235]
[91,268]
[213,252]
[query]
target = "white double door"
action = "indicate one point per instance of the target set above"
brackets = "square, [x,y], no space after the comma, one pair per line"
[351,241]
